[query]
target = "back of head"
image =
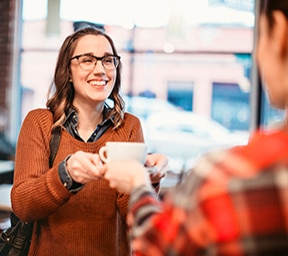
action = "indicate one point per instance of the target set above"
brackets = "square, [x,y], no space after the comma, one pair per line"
[267,7]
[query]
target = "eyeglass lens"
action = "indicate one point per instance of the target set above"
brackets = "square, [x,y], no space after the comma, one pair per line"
[89,62]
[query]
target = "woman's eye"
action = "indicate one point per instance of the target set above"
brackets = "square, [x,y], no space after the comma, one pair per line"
[88,60]
[108,60]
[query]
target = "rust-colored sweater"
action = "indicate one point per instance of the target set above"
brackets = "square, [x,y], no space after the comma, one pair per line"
[90,222]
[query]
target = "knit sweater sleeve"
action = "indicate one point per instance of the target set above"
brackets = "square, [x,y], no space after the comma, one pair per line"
[37,190]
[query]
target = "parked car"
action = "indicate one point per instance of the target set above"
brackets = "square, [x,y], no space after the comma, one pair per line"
[187,135]
[143,107]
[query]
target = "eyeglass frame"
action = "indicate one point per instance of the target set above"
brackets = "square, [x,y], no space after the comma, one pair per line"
[97,58]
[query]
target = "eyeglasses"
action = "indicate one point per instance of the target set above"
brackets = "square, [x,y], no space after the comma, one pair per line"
[88,61]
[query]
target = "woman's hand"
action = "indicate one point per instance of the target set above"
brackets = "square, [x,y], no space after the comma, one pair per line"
[83,167]
[158,164]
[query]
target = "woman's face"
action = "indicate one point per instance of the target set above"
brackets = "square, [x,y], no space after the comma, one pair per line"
[271,63]
[95,85]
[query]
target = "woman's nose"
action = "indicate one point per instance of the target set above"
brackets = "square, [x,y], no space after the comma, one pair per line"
[98,67]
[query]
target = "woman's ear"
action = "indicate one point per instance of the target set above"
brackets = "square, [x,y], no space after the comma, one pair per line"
[279,33]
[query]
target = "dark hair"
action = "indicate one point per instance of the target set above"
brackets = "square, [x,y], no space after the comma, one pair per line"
[62,97]
[268,6]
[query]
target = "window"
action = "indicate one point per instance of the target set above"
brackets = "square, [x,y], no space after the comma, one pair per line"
[196,57]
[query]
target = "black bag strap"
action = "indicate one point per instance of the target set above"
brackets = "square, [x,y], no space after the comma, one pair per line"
[16,239]
[54,144]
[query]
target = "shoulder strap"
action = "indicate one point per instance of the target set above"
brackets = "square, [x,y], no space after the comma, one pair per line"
[54,144]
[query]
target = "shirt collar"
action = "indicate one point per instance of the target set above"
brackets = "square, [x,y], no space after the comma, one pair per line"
[72,116]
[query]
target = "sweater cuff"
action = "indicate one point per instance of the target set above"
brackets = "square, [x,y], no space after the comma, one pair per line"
[71,185]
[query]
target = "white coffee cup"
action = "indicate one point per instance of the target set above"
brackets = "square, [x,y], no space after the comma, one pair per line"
[120,150]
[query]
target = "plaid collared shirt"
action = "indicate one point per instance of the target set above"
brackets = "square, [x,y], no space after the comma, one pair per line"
[234,202]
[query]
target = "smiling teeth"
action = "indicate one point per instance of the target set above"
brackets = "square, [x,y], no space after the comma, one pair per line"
[98,83]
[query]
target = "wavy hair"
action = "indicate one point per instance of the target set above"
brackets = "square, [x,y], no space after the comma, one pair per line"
[61,93]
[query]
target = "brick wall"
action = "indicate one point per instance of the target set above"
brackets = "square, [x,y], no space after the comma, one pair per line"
[7,12]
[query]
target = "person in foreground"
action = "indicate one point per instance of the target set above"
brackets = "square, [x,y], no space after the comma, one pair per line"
[235,201]
[73,210]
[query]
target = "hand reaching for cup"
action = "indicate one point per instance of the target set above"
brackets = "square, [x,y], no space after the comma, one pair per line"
[126,175]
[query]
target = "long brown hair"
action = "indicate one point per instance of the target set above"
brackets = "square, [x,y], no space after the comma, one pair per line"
[61,91]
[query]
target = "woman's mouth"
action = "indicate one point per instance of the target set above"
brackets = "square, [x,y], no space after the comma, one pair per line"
[97,83]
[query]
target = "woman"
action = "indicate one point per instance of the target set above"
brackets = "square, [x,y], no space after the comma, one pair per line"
[234,202]
[74,211]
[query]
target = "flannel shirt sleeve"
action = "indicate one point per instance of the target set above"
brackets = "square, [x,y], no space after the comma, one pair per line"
[157,228]
[222,207]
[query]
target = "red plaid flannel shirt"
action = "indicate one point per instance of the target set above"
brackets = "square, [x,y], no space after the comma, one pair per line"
[234,202]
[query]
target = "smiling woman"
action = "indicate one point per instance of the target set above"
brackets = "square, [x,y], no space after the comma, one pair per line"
[73,188]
